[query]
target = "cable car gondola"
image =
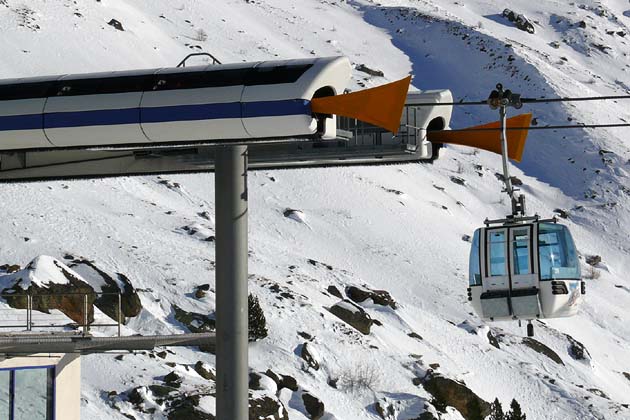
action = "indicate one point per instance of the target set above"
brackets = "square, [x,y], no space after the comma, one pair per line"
[521,267]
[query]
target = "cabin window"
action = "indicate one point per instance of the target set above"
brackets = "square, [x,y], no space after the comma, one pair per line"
[520,250]
[473,263]
[497,252]
[557,253]
[27,393]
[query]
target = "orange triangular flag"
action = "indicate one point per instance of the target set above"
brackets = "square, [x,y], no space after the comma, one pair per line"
[491,139]
[381,106]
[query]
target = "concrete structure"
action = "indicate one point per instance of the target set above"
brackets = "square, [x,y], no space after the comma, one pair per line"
[41,386]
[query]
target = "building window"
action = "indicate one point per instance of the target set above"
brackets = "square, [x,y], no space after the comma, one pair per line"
[27,393]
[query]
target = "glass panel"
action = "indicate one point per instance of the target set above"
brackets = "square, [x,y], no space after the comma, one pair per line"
[557,253]
[520,247]
[32,395]
[473,262]
[497,253]
[5,377]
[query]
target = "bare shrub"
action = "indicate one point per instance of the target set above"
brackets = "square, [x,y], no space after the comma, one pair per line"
[359,378]
[200,35]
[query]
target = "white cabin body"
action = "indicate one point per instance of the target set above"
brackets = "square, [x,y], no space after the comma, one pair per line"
[524,271]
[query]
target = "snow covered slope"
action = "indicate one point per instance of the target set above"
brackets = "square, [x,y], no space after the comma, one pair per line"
[396,227]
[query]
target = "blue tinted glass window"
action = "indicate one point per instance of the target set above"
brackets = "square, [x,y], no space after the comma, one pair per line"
[497,253]
[473,262]
[520,250]
[31,395]
[557,253]
[27,393]
[5,377]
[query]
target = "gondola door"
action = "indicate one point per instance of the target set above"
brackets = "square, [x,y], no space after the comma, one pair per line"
[495,298]
[524,287]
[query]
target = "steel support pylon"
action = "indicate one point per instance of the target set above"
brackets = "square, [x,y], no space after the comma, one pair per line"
[231,282]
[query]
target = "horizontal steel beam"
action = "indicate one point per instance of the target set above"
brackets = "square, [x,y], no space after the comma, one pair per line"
[50,343]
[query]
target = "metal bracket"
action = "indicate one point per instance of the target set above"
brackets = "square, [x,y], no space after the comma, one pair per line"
[204,54]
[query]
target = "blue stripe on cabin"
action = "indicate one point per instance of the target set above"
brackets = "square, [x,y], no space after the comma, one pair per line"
[21,122]
[155,114]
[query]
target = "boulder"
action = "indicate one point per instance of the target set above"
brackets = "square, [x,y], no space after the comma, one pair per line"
[334,291]
[593,260]
[353,315]
[310,356]
[53,285]
[205,371]
[542,349]
[267,408]
[379,297]
[447,392]
[195,322]
[116,24]
[577,350]
[313,405]
[173,379]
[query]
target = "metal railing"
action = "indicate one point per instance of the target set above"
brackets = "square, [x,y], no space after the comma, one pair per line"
[73,311]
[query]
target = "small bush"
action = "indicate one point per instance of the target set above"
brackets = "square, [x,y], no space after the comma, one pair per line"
[200,35]
[360,378]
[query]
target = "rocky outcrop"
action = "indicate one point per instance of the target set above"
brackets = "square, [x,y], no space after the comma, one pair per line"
[379,297]
[310,356]
[542,349]
[447,392]
[205,371]
[53,285]
[195,322]
[353,315]
[313,405]
[267,408]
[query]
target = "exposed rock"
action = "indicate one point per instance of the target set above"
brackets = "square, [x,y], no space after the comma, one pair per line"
[353,315]
[459,181]
[310,356]
[593,260]
[493,340]
[365,69]
[627,375]
[562,213]
[205,371]
[130,304]
[161,391]
[173,380]
[415,335]
[289,382]
[447,392]
[577,349]
[185,408]
[195,322]
[542,349]
[334,291]
[314,407]
[200,291]
[53,285]
[266,408]
[10,269]
[379,297]
[384,409]
[116,24]
[598,392]
[515,181]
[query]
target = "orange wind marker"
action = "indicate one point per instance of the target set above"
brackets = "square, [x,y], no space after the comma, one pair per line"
[491,139]
[381,106]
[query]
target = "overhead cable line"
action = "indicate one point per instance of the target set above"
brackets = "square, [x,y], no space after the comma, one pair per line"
[528,101]
[545,127]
